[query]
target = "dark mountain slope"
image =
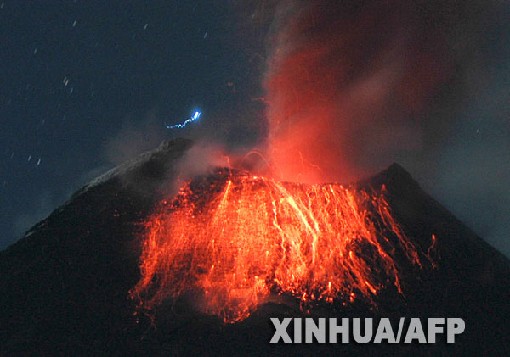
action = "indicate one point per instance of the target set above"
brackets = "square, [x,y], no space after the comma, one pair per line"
[64,286]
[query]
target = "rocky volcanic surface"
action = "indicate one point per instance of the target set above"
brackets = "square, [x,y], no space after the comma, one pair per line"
[64,286]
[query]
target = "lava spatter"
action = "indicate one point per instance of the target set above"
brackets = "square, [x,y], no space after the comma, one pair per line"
[238,238]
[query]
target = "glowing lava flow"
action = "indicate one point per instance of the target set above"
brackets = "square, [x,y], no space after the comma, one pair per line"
[236,239]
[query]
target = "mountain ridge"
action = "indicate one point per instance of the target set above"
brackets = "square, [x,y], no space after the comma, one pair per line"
[66,282]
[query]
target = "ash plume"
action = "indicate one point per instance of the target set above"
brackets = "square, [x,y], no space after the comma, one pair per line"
[352,86]
[348,84]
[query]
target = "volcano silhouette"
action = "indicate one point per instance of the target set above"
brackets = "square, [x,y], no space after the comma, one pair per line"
[65,286]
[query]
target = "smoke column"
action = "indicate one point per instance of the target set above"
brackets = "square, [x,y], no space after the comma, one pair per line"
[347,83]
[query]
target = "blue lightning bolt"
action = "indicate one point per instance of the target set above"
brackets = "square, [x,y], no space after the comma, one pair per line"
[193,118]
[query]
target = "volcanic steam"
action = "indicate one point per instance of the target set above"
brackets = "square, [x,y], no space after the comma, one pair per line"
[346,83]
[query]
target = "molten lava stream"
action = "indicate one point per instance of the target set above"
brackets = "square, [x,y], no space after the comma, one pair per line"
[238,239]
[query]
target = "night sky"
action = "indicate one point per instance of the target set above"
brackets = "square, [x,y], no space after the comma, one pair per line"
[86,85]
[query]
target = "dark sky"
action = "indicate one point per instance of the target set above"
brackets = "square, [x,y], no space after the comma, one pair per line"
[85,85]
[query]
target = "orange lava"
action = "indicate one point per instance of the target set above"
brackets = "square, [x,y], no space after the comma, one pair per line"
[235,240]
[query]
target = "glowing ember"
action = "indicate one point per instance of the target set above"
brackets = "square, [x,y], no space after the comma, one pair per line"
[236,239]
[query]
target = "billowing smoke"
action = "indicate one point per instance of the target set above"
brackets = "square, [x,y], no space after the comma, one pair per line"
[348,82]
[352,86]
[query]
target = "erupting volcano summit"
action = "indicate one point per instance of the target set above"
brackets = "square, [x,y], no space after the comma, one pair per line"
[234,238]
[124,267]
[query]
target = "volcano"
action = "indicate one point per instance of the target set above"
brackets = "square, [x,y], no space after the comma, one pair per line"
[129,266]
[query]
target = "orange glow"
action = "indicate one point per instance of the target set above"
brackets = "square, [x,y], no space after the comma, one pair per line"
[235,239]
[347,86]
